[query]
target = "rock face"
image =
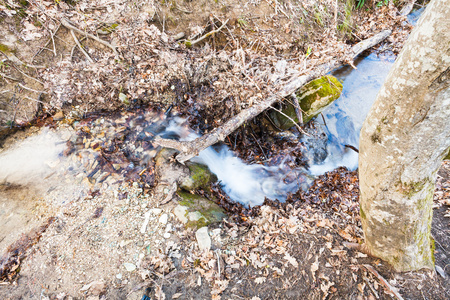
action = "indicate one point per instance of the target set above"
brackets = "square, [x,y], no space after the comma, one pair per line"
[313,99]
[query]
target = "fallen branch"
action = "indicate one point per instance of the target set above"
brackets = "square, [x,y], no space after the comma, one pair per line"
[190,149]
[91,36]
[383,281]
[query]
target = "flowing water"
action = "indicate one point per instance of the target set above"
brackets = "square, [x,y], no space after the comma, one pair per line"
[105,148]
[344,118]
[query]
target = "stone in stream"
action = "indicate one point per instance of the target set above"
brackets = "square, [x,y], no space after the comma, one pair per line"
[200,177]
[313,98]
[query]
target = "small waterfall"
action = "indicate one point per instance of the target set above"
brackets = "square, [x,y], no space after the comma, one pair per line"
[243,183]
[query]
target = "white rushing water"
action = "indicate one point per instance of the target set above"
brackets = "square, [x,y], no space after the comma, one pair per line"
[243,183]
[33,159]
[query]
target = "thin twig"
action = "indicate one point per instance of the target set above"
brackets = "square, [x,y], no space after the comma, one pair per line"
[290,119]
[91,36]
[30,89]
[8,77]
[15,60]
[298,110]
[190,44]
[81,47]
[26,75]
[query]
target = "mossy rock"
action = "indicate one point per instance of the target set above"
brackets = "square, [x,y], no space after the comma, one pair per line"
[199,211]
[448,155]
[200,177]
[313,98]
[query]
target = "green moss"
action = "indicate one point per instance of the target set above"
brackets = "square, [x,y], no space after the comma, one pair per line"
[188,43]
[6,49]
[362,213]
[313,98]
[210,211]
[448,155]
[200,177]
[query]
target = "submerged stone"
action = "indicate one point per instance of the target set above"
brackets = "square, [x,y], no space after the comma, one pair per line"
[196,211]
[313,98]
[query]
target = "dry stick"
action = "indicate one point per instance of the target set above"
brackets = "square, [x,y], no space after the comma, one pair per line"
[384,282]
[30,89]
[48,42]
[208,34]
[15,60]
[81,47]
[8,77]
[91,36]
[190,149]
[298,110]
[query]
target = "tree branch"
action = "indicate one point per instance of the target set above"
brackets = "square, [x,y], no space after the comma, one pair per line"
[191,149]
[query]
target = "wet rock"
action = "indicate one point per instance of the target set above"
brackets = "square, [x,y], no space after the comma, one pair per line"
[198,211]
[196,216]
[316,144]
[313,99]
[203,239]
[200,177]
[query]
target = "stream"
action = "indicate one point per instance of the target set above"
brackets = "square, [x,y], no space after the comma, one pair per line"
[117,147]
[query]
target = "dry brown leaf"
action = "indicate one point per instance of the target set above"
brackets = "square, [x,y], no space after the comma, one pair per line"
[260,280]
[291,259]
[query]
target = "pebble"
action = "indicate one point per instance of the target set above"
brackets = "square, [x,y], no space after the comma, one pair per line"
[146,220]
[180,212]
[163,219]
[155,211]
[203,239]
[129,267]
[166,235]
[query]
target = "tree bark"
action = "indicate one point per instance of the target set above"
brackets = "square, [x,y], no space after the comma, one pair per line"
[403,140]
[191,149]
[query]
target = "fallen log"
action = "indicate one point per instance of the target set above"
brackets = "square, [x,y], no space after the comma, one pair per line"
[190,149]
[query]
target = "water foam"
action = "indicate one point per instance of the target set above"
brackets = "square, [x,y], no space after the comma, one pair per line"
[33,159]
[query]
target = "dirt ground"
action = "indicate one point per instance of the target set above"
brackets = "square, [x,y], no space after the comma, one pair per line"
[84,225]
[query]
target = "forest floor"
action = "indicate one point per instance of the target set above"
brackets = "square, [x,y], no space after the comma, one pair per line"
[71,237]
